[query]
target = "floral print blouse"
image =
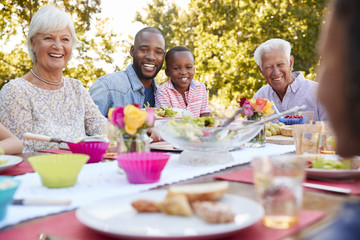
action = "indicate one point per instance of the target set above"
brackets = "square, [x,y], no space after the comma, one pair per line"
[66,113]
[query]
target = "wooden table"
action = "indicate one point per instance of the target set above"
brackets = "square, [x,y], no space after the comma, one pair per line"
[327,202]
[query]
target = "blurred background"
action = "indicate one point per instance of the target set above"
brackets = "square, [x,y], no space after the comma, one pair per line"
[222,34]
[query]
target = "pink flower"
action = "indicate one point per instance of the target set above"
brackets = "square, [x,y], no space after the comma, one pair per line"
[248,110]
[117,117]
[150,118]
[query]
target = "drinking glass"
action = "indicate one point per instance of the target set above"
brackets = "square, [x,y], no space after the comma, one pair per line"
[278,185]
[307,138]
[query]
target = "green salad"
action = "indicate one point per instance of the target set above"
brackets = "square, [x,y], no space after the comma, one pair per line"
[165,112]
[322,163]
[192,129]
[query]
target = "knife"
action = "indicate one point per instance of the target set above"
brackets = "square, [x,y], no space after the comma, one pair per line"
[327,188]
[42,201]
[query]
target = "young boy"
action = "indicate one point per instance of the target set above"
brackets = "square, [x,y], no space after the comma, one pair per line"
[181,91]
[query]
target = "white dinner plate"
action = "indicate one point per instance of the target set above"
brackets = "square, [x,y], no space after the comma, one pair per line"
[163,146]
[336,174]
[116,217]
[11,161]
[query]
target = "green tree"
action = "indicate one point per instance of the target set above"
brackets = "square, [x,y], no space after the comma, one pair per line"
[92,50]
[225,33]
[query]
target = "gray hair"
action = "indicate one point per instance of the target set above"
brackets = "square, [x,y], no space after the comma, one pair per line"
[275,43]
[48,19]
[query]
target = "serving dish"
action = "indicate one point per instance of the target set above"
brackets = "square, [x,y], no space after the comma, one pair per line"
[335,174]
[116,218]
[205,146]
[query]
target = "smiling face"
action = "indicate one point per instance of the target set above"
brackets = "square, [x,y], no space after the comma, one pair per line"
[180,68]
[52,50]
[277,70]
[148,55]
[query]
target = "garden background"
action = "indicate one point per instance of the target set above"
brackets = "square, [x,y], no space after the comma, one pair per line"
[222,34]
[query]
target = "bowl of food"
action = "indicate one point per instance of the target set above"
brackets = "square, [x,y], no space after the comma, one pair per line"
[169,112]
[143,167]
[331,166]
[58,170]
[8,187]
[95,150]
[203,140]
[292,119]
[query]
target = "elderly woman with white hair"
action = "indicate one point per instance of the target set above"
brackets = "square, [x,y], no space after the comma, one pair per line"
[285,88]
[43,101]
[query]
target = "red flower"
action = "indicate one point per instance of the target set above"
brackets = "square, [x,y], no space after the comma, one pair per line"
[242,101]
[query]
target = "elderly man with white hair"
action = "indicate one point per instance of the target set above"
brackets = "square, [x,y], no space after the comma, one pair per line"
[285,88]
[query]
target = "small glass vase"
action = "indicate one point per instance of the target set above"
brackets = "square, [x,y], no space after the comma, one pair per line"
[134,143]
[114,135]
[260,139]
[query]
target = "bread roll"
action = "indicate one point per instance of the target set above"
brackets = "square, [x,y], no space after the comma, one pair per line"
[176,205]
[213,212]
[143,205]
[201,192]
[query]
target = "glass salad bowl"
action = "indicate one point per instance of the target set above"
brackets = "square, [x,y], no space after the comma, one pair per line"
[206,145]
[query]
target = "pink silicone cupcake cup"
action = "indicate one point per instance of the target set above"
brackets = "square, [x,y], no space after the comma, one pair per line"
[95,150]
[143,167]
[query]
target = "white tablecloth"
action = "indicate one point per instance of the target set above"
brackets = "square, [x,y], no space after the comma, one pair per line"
[101,180]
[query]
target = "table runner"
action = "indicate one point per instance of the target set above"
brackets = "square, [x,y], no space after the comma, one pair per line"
[246,176]
[101,180]
[66,225]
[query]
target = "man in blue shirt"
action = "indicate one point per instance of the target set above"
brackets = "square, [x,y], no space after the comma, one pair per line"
[136,84]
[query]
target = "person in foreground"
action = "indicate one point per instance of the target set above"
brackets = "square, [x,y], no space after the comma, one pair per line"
[181,91]
[285,88]
[9,143]
[136,84]
[43,101]
[339,91]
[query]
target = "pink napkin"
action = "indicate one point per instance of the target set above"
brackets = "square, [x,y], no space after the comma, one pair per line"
[21,168]
[66,225]
[60,150]
[247,177]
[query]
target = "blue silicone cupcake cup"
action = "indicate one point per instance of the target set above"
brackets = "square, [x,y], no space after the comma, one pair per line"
[6,196]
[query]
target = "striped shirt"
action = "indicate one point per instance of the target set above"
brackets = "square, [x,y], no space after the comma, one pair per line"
[196,98]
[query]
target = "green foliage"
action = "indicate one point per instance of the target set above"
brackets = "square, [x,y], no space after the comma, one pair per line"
[92,50]
[225,33]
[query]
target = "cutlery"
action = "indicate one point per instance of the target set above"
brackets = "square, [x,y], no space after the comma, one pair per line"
[327,188]
[225,124]
[261,122]
[45,138]
[42,201]
[277,115]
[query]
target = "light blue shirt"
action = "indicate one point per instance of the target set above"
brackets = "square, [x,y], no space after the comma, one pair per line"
[300,92]
[118,89]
